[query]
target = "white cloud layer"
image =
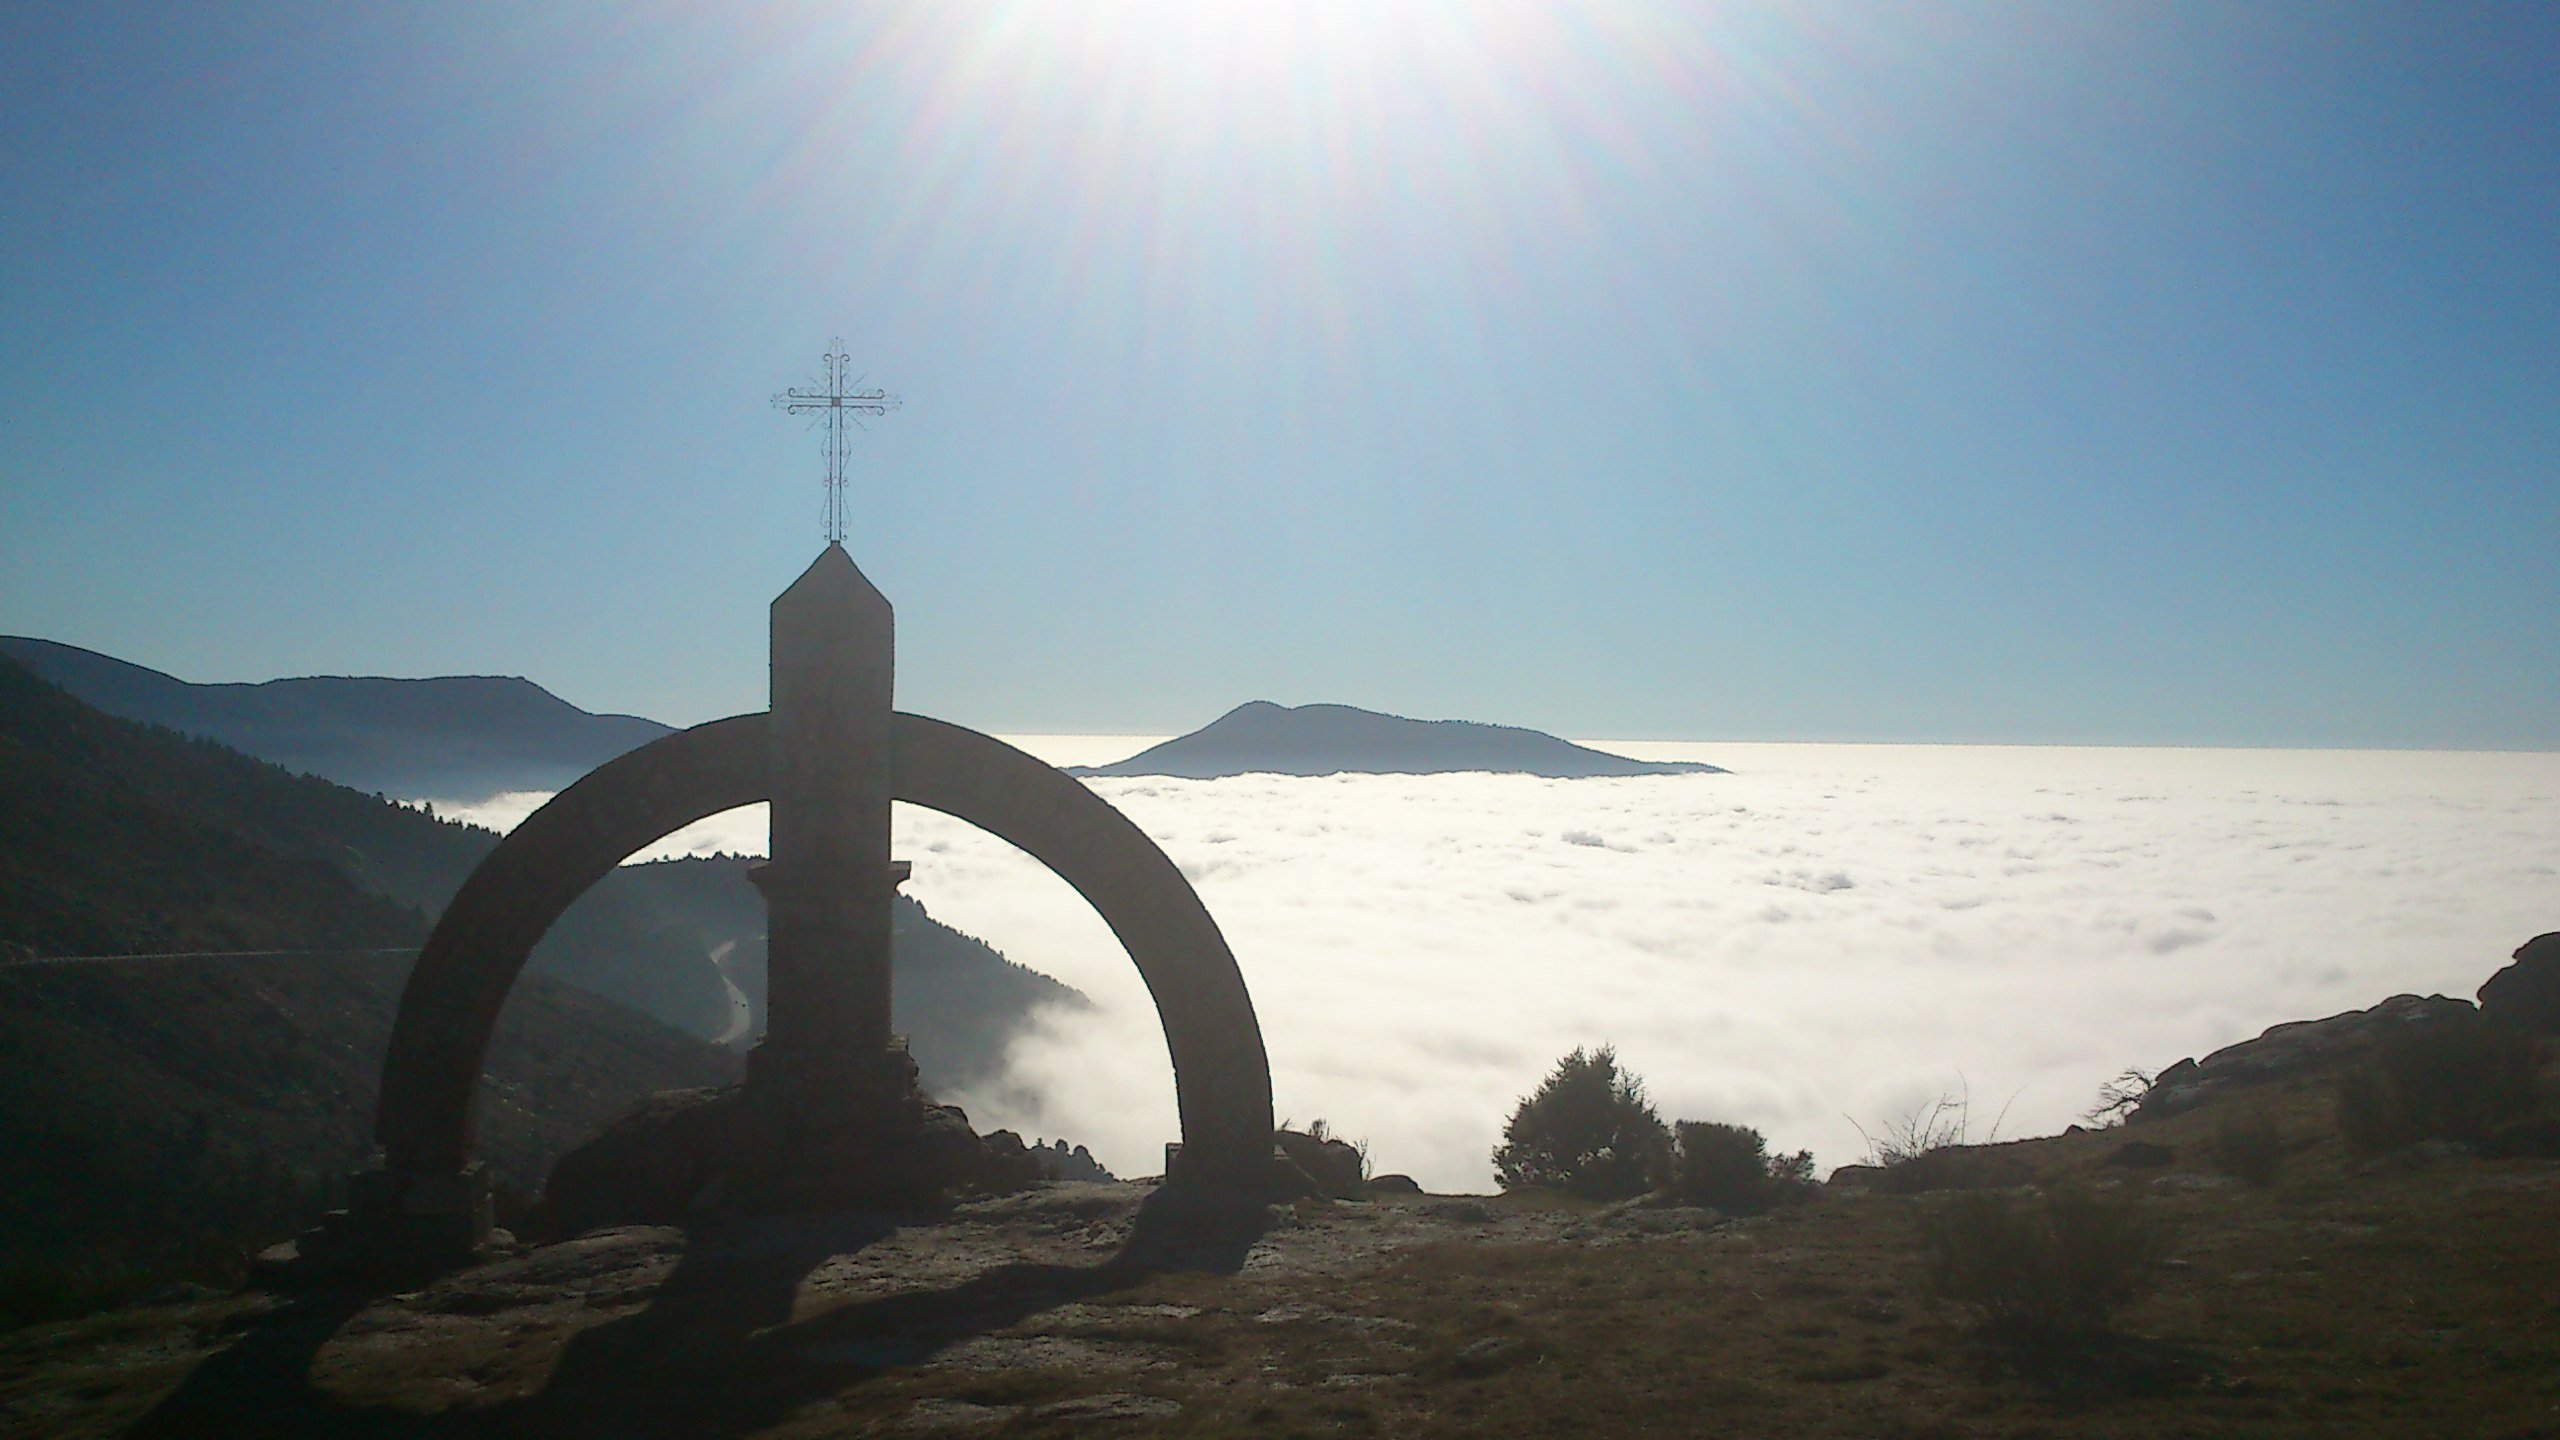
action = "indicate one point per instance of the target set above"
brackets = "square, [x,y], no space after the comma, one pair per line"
[1833,932]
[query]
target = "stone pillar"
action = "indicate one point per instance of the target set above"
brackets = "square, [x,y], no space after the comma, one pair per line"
[827,1053]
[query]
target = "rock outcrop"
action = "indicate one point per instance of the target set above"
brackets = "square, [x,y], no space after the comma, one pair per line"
[1319,1165]
[2288,1049]
[685,1154]
[1057,1162]
[2526,995]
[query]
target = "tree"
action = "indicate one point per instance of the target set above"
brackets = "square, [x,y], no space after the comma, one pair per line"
[1730,1168]
[1588,1129]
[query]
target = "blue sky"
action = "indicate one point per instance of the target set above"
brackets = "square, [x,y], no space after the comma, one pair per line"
[2131,374]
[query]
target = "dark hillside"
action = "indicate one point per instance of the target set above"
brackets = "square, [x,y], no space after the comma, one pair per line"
[153,1113]
[159,1116]
[128,838]
[152,1109]
[125,838]
[114,838]
[960,1002]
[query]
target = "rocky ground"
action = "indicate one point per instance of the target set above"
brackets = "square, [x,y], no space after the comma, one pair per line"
[2313,1289]
[2418,1298]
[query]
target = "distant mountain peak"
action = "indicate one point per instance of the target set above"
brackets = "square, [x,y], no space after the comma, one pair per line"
[450,737]
[1262,737]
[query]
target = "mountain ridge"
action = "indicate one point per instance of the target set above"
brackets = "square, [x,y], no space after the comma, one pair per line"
[454,738]
[1261,737]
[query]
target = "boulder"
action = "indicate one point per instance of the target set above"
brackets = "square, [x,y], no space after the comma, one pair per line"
[2526,995]
[1855,1177]
[394,1229]
[646,1167]
[1332,1168]
[1954,1167]
[682,1154]
[1058,1162]
[2293,1048]
[1008,1164]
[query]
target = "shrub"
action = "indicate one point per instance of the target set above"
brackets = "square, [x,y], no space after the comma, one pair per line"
[2119,1098]
[1730,1168]
[1587,1129]
[2448,1079]
[2247,1147]
[2040,1269]
[1929,1149]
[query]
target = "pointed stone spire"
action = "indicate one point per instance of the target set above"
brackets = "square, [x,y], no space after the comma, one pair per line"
[827,1048]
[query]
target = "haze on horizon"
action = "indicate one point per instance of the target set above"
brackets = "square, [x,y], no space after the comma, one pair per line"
[2175,374]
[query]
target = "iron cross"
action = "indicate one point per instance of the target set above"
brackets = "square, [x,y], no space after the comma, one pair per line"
[841,405]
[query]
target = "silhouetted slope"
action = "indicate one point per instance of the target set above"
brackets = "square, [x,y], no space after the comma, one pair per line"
[456,737]
[1259,737]
[115,838]
[125,837]
[959,1001]
[150,1109]
[118,838]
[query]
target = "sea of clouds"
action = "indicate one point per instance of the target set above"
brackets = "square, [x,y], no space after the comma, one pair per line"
[1826,939]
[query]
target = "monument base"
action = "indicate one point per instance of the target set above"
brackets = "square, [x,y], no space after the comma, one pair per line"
[394,1229]
[802,1134]
[805,1132]
[813,1093]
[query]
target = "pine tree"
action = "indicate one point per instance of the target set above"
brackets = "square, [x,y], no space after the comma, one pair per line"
[1587,1129]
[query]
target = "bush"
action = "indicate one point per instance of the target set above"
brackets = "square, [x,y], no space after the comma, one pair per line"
[1588,1129]
[2446,1079]
[2119,1098]
[2043,1269]
[2247,1148]
[1730,1168]
[1929,1148]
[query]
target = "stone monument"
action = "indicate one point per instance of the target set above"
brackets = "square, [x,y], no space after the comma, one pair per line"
[830,1114]
[828,1049]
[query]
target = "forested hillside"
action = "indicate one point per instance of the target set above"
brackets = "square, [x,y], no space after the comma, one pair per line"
[157,1112]
[168,1117]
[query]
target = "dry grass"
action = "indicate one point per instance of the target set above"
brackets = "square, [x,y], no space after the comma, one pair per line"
[2248,1146]
[2045,1267]
[2448,1080]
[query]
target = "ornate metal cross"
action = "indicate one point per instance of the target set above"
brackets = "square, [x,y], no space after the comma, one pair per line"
[841,405]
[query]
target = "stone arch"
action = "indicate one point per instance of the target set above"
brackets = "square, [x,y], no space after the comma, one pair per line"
[1221,1075]
[450,1007]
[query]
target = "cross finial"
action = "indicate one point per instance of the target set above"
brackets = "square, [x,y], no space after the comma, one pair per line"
[841,404]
